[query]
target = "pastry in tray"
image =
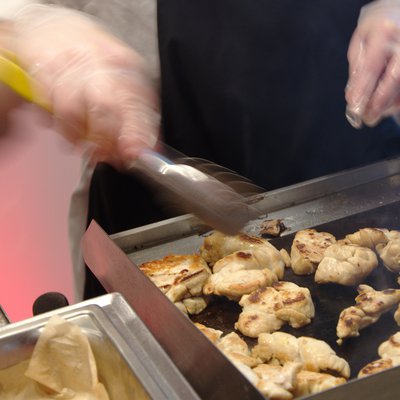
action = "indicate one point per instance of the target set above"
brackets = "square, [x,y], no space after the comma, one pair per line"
[370,305]
[346,264]
[181,278]
[308,249]
[389,352]
[268,309]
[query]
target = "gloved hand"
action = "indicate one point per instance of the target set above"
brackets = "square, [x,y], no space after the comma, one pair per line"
[373,89]
[97,86]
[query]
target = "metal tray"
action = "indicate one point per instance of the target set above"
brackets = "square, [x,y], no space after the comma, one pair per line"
[131,364]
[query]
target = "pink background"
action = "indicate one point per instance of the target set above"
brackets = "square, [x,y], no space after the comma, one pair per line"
[38,172]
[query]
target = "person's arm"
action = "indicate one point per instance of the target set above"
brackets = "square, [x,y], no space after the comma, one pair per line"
[373,89]
[98,87]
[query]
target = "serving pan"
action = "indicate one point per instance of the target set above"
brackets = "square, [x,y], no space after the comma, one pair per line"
[131,364]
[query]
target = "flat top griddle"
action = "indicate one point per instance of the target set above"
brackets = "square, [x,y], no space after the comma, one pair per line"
[329,299]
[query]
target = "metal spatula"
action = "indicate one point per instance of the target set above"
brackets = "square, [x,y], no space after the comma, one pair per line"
[193,185]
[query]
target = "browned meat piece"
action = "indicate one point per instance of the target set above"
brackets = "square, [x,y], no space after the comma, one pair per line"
[313,355]
[180,277]
[391,348]
[277,381]
[286,258]
[346,264]
[235,349]
[242,272]
[308,382]
[272,227]
[212,334]
[375,367]
[397,315]
[267,309]
[308,249]
[370,305]
[217,245]
[390,252]
[367,237]
[390,356]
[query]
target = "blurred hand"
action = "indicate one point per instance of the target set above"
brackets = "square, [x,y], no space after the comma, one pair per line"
[373,89]
[97,86]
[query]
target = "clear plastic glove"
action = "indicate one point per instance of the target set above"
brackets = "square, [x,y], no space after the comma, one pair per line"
[97,86]
[373,89]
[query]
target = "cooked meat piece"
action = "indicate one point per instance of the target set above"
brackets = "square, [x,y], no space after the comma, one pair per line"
[375,367]
[251,376]
[212,334]
[346,264]
[351,321]
[257,258]
[236,349]
[235,283]
[241,273]
[391,348]
[181,307]
[308,249]
[397,315]
[370,305]
[178,276]
[258,313]
[318,356]
[277,348]
[217,245]
[272,227]
[276,381]
[390,356]
[313,354]
[308,382]
[195,305]
[286,258]
[393,234]
[298,307]
[390,253]
[375,302]
[267,309]
[367,237]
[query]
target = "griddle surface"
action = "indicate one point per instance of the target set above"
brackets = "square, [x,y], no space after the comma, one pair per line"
[329,299]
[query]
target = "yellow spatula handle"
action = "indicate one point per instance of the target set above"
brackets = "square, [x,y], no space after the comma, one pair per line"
[14,76]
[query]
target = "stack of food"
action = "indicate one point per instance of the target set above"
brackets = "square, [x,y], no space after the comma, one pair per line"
[62,366]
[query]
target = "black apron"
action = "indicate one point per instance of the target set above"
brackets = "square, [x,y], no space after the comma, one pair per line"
[256,86]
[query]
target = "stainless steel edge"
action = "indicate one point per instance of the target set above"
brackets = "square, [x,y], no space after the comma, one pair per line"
[206,369]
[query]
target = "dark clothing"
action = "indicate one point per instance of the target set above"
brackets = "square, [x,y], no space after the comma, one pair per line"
[256,86]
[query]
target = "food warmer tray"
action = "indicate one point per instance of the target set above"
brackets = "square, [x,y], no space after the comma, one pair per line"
[339,203]
[130,362]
